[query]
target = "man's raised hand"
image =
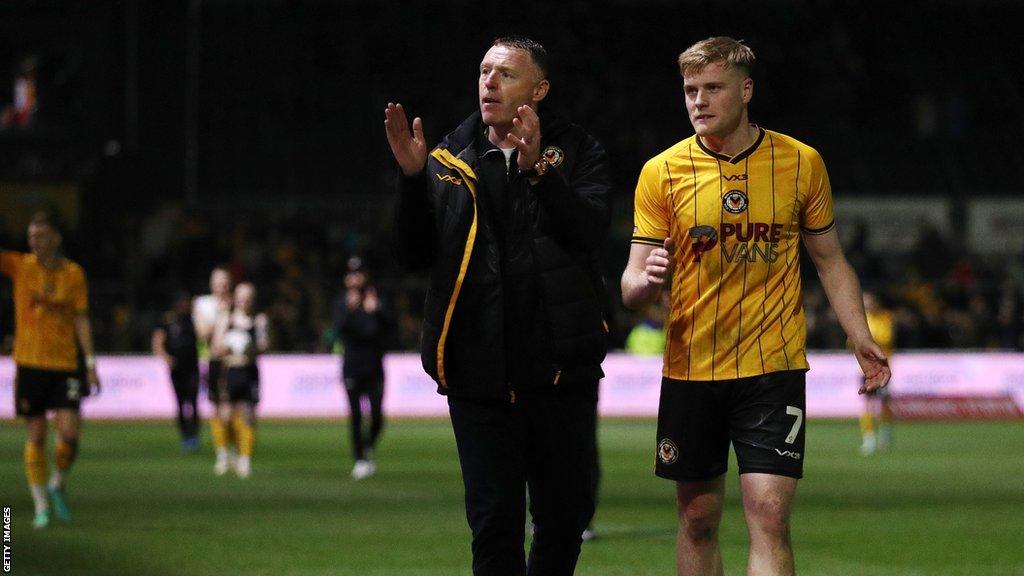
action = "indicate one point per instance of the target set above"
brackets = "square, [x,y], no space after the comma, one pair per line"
[409,148]
[525,135]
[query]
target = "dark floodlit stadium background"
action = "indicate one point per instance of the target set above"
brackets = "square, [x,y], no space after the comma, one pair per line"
[173,136]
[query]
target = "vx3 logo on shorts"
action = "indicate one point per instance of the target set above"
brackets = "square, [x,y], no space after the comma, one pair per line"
[789,454]
[449,178]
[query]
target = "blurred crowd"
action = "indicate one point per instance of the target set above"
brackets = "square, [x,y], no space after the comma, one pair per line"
[283,176]
[941,296]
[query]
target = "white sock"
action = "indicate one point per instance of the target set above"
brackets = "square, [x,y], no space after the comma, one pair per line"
[39,497]
[56,479]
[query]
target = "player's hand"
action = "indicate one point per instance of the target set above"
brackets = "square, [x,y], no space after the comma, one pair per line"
[94,382]
[525,136]
[875,366]
[660,262]
[353,298]
[371,302]
[410,149]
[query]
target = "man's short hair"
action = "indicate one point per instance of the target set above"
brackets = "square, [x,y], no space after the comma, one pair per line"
[537,52]
[716,50]
[45,218]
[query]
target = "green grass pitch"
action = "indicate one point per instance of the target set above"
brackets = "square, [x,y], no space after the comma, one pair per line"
[948,499]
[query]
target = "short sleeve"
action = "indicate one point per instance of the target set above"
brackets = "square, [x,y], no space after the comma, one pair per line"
[816,216]
[650,205]
[10,263]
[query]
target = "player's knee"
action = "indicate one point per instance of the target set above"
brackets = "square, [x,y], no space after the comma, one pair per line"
[770,516]
[700,524]
[70,438]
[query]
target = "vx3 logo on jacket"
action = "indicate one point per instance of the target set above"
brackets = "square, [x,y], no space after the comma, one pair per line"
[449,178]
[754,241]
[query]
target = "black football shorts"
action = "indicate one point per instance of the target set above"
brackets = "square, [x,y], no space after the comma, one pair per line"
[243,384]
[36,391]
[762,416]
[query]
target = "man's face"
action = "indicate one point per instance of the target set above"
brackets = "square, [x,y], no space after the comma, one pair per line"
[43,240]
[508,80]
[716,98]
[220,282]
[355,280]
[245,297]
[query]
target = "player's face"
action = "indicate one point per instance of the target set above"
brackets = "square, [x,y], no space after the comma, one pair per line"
[355,280]
[220,282]
[43,240]
[716,99]
[508,80]
[245,297]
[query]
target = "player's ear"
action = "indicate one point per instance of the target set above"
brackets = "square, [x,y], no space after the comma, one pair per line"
[748,89]
[540,91]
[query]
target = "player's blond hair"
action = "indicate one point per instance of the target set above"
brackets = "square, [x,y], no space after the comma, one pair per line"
[722,50]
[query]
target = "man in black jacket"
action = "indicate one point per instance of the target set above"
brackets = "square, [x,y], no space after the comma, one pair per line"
[508,214]
[362,324]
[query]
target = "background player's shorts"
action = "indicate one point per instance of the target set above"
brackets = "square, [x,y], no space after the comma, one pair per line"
[763,417]
[364,385]
[36,391]
[216,391]
[243,384]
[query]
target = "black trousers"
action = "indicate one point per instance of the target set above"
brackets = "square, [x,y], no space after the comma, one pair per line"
[186,391]
[545,443]
[373,390]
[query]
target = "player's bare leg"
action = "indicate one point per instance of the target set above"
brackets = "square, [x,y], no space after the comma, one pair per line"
[68,424]
[767,499]
[35,467]
[699,505]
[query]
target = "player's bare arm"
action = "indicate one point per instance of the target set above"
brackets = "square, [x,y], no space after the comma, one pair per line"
[218,347]
[409,148]
[83,331]
[158,343]
[843,290]
[647,271]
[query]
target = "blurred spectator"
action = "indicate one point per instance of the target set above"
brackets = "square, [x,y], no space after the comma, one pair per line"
[647,338]
[22,112]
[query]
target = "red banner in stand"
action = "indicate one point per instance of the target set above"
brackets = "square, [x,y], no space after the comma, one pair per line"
[927,407]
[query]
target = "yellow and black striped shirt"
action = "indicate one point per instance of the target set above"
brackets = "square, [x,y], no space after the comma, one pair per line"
[46,302]
[735,303]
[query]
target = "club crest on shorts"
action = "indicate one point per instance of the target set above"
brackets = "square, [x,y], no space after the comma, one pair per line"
[734,201]
[553,155]
[667,451]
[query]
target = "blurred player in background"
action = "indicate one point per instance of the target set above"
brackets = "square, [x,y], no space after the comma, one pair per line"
[175,342]
[238,339]
[721,215]
[508,214]
[52,330]
[206,311]
[877,403]
[647,338]
[363,325]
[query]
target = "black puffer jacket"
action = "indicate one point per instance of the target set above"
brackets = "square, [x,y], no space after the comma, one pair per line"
[477,341]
